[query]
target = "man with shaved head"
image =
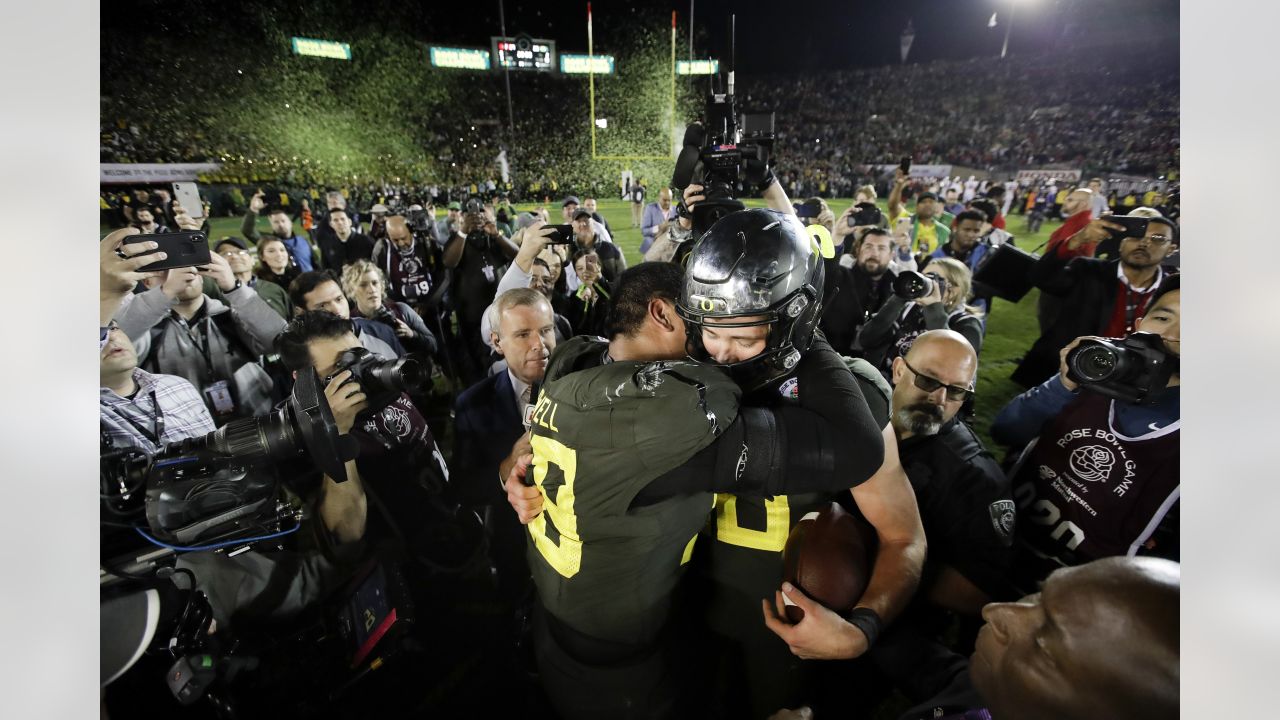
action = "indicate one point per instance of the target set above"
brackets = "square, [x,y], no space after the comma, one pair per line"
[412,265]
[1098,642]
[657,218]
[966,504]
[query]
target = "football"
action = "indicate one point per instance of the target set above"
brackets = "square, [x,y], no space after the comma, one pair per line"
[829,556]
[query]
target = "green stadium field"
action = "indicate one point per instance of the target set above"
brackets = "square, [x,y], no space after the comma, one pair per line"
[1011,328]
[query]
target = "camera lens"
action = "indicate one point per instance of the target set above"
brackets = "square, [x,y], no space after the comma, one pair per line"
[1095,363]
[405,374]
[911,285]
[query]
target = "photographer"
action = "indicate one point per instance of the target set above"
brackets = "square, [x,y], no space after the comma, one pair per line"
[363,282]
[943,304]
[399,468]
[589,304]
[478,256]
[1105,297]
[449,224]
[412,265]
[1102,477]
[858,283]
[927,233]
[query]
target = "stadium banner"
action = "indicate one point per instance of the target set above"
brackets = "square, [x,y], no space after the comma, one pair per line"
[1026,177]
[321,48]
[120,173]
[697,67]
[920,170]
[584,64]
[459,58]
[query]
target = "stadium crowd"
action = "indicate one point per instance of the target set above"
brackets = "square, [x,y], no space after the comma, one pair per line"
[853,383]
[832,128]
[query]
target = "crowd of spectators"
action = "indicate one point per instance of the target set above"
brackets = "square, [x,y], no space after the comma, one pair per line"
[1119,115]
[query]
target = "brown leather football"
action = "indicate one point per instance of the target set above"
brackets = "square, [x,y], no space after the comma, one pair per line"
[829,556]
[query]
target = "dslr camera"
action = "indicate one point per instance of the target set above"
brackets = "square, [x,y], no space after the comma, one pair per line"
[1135,369]
[381,380]
[419,220]
[727,154]
[911,285]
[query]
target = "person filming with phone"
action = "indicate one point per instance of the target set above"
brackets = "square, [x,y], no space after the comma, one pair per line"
[1105,297]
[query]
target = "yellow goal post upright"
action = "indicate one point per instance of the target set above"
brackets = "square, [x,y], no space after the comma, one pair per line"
[591,89]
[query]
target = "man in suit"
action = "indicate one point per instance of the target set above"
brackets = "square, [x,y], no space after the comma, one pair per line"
[657,216]
[490,418]
[1106,297]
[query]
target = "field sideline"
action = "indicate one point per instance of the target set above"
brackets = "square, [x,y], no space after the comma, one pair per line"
[1011,328]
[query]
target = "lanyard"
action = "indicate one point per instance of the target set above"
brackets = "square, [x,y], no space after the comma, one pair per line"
[155,436]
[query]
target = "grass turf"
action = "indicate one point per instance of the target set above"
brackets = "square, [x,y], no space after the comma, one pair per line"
[1011,328]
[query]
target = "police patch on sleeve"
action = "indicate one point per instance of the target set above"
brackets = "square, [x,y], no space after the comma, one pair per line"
[1003,513]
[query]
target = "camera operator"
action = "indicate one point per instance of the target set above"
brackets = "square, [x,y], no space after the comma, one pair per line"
[1126,454]
[940,302]
[1104,297]
[364,282]
[343,245]
[304,255]
[178,330]
[320,291]
[477,256]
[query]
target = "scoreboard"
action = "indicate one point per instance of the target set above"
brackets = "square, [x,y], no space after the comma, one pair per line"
[524,53]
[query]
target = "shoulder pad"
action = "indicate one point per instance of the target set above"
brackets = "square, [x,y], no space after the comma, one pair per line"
[868,373]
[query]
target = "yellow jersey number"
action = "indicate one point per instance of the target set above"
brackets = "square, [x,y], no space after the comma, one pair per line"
[777,524]
[565,553]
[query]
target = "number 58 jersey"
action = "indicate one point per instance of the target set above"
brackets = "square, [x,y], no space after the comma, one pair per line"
[599,435]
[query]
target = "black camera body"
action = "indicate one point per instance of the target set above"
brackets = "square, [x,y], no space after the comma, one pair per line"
[867,214]
[1136,369]
[911,285]
[726,155]
[419,221]
[381,380]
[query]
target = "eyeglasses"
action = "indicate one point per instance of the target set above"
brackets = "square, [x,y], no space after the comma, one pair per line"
[955,393]
[1157,240]
[104,333]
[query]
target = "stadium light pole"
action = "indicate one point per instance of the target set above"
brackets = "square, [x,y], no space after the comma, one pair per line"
[506,75]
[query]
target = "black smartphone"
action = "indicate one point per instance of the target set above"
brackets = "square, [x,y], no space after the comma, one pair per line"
[184,249]
[905,164]
[560,235]
[1133,226]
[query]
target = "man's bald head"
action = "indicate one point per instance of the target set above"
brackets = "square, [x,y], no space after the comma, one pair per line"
[1077,200]
[398,231]
[1099,642]
[664,198]
[936,356]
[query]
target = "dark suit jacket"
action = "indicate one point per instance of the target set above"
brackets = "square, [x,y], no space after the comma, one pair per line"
[486,425]
[850,307]
[1087,287]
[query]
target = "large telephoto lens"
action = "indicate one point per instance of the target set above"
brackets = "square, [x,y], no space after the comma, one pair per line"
[911,285]
[403,375]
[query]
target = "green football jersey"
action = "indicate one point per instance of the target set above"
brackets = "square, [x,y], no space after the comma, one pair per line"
[600,435]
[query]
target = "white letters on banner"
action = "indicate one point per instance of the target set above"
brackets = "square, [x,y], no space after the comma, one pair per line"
[154,172]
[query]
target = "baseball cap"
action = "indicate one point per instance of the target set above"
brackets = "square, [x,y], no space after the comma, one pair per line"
[926,196]
[581,214]
[232,241]
[379,208]
[455,205]
[571,200]
[525,219]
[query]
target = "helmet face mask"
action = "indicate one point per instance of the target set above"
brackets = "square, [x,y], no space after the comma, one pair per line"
[754,267]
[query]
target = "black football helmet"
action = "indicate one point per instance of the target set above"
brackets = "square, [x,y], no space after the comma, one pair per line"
[755,267]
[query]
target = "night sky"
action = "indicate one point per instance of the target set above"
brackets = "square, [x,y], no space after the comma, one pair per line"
[824,34]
